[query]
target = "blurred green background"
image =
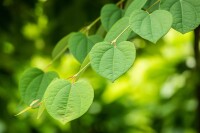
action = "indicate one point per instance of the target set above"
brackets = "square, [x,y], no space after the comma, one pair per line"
[159,94]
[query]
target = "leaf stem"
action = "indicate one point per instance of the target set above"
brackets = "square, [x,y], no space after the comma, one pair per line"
[78,73]
[74,77]
[46,67]
[92,24]
[33,105]
[120,2]
[24,110]
[152,5]
[115,40]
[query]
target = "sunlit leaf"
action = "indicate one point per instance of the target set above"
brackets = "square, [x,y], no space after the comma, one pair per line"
[112,61]
[65,101]
[186,13]
[151,26]
[33,84]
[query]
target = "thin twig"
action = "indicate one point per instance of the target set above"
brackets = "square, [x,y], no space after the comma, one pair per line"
[115,40]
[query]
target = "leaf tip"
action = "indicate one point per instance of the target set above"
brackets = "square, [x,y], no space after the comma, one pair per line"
[113,80]
[154,41]
[63,122]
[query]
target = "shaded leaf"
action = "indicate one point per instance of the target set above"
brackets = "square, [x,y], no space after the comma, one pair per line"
[95,38]
[110,13]
[80,46]
[101,31]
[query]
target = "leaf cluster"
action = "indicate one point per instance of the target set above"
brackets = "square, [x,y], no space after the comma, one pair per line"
[110,52]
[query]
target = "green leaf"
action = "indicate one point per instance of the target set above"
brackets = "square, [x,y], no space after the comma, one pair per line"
[135,5]
[151,26]
[117,29]
[110,13]
[33,84]
[112,61]
[127,4]
[65,101]
[61,47]
[80,46]
[95,38]
[101,31]
[186,13]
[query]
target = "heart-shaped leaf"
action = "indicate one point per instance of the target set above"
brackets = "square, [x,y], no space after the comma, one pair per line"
[112,61]
[151,26]
[65,101]
[186,13]
[110,13]
[33,84]
[80,45]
